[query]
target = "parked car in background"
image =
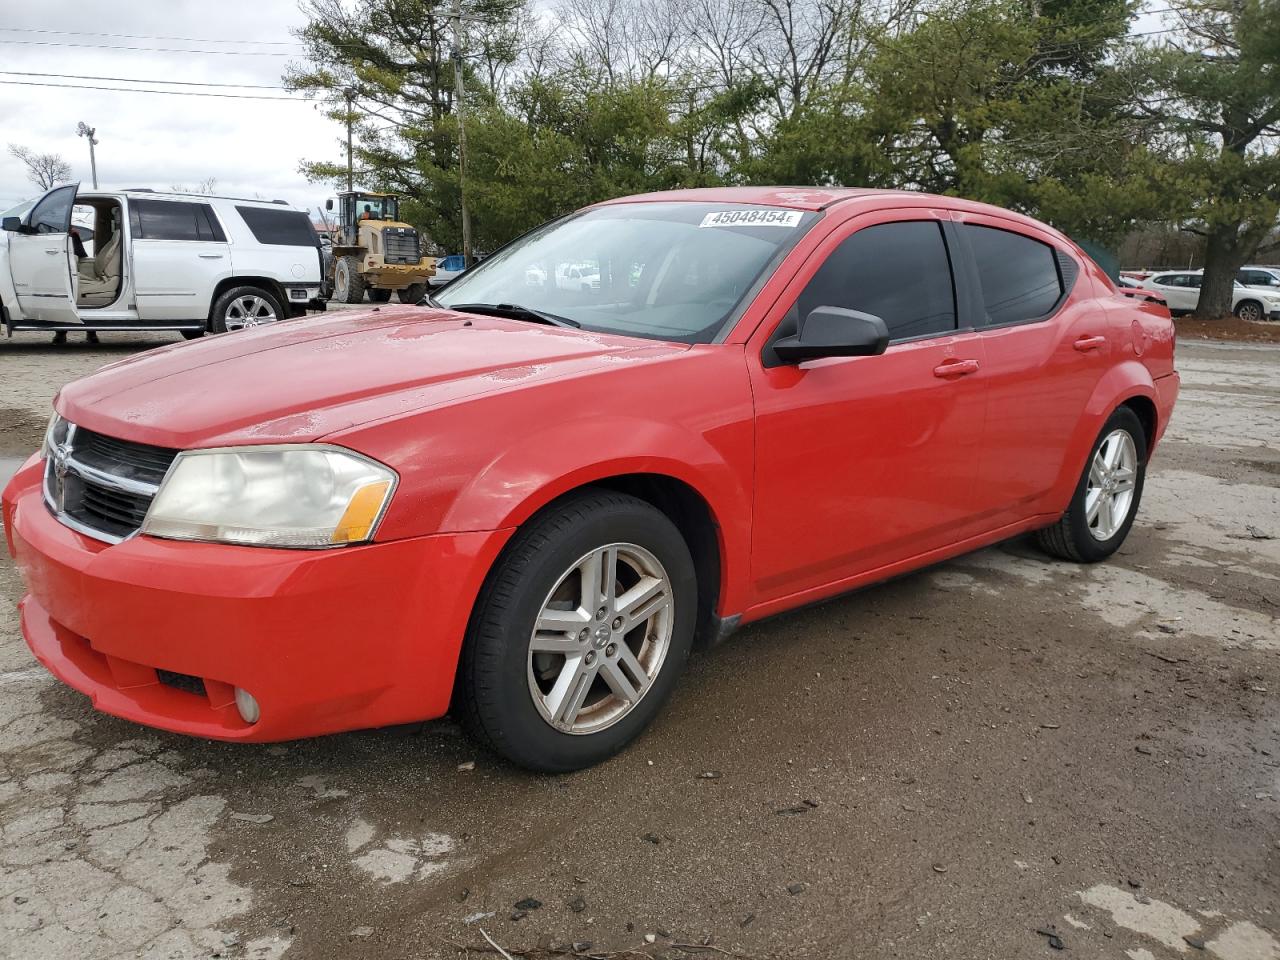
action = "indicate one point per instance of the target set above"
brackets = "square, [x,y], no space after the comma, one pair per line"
[447,268]
[1181,291]
[524,503]
[159,262]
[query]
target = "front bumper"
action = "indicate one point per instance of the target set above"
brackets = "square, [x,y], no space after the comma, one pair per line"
[1274,315]
[161,632]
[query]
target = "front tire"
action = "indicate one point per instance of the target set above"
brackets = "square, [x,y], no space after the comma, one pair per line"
[579,634]
[348,284]
[243,307]
[380,296]
[1106,499]
[1250,310]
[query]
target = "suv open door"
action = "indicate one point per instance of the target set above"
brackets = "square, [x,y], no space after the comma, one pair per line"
[43,261]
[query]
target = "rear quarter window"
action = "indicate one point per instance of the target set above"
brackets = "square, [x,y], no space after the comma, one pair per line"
[285,228]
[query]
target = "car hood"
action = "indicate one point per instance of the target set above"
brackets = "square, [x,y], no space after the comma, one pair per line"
[306,379]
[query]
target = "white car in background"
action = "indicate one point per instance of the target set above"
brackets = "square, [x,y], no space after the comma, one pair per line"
[158,261]
[578,276]
[1180,289]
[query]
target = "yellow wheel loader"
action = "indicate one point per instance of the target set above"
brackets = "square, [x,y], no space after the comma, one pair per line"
[373,250]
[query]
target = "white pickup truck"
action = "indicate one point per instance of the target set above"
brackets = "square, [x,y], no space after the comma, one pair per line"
[159,261]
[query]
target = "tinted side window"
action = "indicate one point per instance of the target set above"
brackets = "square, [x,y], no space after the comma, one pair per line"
[1019,276]
[1258,278]
[899,272]
[167,220]
[290,228]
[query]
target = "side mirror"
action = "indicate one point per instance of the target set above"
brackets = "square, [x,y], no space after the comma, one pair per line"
[12,224]
[834,332]
[328,204]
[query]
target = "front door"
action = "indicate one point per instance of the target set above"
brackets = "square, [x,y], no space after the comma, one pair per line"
[865,461]
[43,261]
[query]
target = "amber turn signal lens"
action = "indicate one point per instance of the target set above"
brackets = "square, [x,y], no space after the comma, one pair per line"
[361,513]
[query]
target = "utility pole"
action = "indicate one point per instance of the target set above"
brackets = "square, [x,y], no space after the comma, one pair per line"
[84,130]
[350,94]
[462,132]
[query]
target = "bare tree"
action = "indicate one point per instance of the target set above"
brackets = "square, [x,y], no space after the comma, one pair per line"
[45,170]
[623,41]
[206,187]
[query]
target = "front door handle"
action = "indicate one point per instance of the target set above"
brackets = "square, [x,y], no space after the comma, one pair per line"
[956,368]
[53,253]
[210,256]
[1085,344]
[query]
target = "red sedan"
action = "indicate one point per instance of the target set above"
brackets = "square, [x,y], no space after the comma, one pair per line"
[528,499]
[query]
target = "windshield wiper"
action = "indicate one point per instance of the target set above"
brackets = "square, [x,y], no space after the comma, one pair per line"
[515,311]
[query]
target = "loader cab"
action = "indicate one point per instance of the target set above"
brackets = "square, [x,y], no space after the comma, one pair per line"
[359,208]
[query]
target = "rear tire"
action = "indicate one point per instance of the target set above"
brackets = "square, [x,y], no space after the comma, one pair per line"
[348,284]
[1106,499]
[413,293]
[242,307]
[517,677]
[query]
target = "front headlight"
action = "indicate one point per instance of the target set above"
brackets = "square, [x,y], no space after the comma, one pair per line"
[278,496]
[54,434]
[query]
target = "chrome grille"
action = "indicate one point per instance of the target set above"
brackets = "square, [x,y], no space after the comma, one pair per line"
[400,245]
[99,485]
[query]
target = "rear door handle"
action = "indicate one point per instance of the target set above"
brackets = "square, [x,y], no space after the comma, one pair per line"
[956,368]
[1085,344]
[53,253]
[210,256]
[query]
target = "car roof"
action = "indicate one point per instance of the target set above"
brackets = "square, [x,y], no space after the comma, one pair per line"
[814,199]
[147,193]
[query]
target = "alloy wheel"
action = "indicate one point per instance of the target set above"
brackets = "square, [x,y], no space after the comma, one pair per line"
[1250,311]
[600,639]
[249,311]
[1109,492]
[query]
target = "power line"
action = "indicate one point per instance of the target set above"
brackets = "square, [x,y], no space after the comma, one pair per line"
[172,93]
[146,36]
[181,83]
[111,46]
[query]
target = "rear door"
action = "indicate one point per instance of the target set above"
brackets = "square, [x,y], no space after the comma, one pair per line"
[865,461]
[180,253]
[1046,349]
[43,262]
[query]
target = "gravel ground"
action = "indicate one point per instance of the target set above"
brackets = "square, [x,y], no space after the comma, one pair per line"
[986,759]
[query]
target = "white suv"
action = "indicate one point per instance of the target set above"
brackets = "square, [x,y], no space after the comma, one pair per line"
[1181,291]
[160,261]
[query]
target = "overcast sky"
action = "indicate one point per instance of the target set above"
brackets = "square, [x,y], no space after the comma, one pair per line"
[250,146]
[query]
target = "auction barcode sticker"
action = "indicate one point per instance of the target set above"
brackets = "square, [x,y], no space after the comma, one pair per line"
[752,218]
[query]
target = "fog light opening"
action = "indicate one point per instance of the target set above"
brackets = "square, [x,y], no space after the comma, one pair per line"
[247,706]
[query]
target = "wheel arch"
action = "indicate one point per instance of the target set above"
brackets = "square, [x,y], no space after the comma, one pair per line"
[1262,308]
[1127,384]
[1145,408]
[274,287]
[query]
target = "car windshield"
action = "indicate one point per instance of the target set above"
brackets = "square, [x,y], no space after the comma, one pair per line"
[665,271]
